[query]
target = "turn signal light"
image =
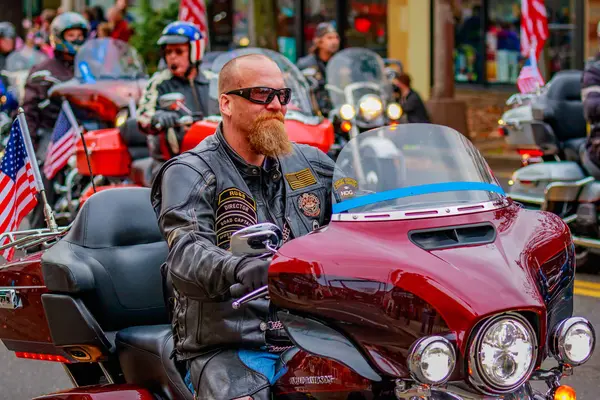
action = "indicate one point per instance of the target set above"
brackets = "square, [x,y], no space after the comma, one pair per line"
[42,357]
[346,126]
[565,392]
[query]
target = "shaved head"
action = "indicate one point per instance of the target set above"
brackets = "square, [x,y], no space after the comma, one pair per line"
[234,71]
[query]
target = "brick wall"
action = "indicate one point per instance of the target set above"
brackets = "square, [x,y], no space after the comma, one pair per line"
[484,109]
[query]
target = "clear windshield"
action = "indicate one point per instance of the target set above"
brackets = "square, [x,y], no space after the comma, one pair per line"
[106,58]
[411,166]
[24,59]
[291,74]
[353,73]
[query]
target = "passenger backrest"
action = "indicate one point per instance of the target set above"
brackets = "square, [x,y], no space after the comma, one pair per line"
[111,260]
[564,97]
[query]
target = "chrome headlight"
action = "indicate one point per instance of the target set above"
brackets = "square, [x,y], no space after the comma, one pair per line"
[347,112]
[394,111]
[431,360]
[121,117]
[573,341]
[502,354]
[370,107]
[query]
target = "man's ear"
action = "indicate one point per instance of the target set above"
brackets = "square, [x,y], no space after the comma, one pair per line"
[225,105]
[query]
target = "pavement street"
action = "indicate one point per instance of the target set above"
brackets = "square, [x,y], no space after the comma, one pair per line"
[23,379]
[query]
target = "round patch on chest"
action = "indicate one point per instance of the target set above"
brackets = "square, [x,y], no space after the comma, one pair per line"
[310,204]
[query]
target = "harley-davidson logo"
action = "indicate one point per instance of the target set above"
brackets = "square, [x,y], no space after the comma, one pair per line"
[312,380]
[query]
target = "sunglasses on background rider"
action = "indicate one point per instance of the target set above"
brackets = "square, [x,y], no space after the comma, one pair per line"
[264,95]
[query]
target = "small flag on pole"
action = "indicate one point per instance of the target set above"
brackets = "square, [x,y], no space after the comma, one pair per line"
[530,77]
[17,186]
[61,146]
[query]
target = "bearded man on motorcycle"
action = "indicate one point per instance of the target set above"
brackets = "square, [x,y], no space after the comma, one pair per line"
[182,47]
[248,172]
[68,32]
[326,44]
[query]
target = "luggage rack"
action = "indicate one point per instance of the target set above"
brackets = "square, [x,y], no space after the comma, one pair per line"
[22,240]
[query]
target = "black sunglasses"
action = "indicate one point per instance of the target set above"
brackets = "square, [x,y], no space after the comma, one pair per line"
[264,95]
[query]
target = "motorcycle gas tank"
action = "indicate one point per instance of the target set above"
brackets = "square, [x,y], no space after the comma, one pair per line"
[371,281]
[320,379]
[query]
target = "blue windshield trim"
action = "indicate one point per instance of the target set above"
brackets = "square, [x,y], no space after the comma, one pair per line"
[414,191]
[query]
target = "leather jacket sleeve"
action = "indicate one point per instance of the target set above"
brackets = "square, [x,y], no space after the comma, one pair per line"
[590,85]
[198,267]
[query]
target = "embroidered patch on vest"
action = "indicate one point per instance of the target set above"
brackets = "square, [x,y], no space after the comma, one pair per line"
[310,204]
[235,210]
[345,188]
[300,179]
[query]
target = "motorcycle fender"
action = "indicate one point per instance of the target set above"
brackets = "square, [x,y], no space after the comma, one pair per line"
[99,392]
[532,181]
[590,193]
[317,338]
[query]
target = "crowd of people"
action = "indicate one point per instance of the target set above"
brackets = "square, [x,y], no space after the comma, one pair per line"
[116,22]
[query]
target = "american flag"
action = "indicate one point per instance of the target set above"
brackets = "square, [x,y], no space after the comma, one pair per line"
[534,26]
[17,186]
[530,77]
[61,146]
[194,11]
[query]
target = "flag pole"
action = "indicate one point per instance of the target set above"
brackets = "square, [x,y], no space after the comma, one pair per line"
[48,214]
[66,107]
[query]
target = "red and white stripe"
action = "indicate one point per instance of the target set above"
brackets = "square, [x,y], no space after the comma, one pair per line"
[534,26]
[17,199]
[194,11]
[58,153]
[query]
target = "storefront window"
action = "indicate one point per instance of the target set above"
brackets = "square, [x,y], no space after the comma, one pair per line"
[367,25]
[241,31]
[220,24]
[468,60]
[315,12]
[286,38]
[560,47]
[503,45]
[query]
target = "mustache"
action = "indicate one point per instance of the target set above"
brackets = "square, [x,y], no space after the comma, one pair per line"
[268,115]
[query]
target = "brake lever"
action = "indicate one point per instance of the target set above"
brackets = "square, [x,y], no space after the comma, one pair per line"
[256,294]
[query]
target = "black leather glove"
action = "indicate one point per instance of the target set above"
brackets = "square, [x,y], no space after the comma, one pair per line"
[252,272]
[165,119]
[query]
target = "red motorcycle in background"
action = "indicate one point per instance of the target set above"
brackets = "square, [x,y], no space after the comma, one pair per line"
[110,155]
[428,283]
[108,81]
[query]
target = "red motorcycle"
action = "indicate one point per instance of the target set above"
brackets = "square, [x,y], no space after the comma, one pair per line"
[108,81]
[110,155]
[428,283]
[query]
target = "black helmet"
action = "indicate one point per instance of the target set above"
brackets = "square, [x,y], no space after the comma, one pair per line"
[7,30]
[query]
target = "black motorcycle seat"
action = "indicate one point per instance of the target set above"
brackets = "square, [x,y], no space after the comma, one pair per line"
[572,148]
[141,171]
[135,140]
[145,357]
[111,258]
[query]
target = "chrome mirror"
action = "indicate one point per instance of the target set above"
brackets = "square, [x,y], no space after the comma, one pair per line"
[256,240]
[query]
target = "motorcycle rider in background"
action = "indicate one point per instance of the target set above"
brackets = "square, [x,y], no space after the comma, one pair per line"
[326,44]
[68,32]
[182,49]
[590,95]
[8,36]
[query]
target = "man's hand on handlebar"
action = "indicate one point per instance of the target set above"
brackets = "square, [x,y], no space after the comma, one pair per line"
[252,273]
[165,119]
